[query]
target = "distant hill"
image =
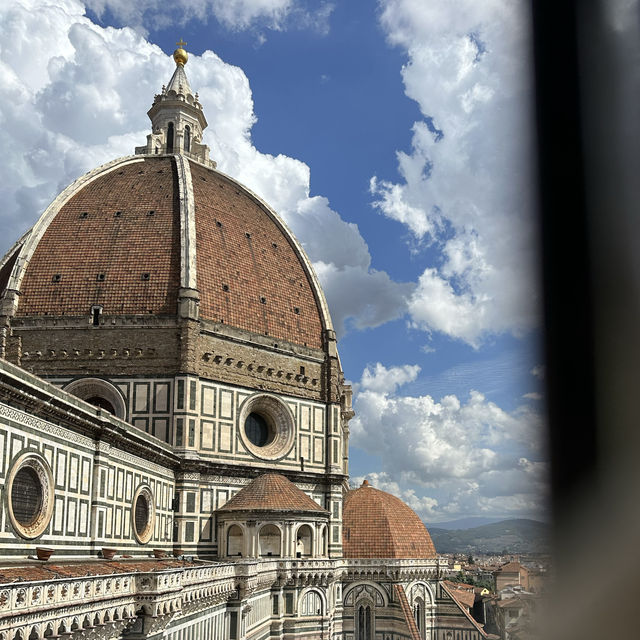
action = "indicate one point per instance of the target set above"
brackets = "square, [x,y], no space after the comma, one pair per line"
[463,523]
[512,536]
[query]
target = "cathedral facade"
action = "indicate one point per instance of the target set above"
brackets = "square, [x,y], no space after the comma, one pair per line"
[174,423]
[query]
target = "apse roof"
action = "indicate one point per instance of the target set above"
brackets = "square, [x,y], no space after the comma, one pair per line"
[271,492]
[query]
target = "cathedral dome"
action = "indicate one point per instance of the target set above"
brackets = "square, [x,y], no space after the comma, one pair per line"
[379,525]
[136,235]
[156,275]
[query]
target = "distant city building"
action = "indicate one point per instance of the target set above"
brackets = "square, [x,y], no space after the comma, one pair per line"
[510,574]
[174,423]
[515,615]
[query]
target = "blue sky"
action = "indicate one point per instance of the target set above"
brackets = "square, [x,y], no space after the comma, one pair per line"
[394,139]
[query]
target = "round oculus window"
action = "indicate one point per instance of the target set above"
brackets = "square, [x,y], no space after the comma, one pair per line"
[143,513]
[26,496]
[266,426]
[30,495]
[258,430]
[100,393]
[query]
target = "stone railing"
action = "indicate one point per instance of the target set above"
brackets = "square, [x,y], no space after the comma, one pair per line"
[65,605]
[99,606]
[69,605]
[313,571]
[391,569]
[391,562]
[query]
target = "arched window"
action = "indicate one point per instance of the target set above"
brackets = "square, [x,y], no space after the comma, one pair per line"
[304,541]
[418,614]
[269,541]
[100,393]
[30,495]
[235,541]
[187,138]
[311,604]
[170,138]
[266,426]
[143,514]
[363,623]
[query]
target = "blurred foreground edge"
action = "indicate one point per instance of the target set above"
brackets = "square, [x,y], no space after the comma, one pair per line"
[587,105]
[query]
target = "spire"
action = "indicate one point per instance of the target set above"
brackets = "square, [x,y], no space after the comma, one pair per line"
[177,118]
[179,82]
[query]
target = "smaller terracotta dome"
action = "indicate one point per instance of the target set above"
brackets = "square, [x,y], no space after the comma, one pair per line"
[271,492]
[376,524]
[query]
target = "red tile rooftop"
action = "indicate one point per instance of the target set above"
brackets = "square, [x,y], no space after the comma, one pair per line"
[511,567]
[33,572]
[462,586]
[271,492]
[465,598]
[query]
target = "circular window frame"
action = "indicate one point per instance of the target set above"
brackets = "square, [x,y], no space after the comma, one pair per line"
[147,533]
[280,420]
[85,388]
[40,466]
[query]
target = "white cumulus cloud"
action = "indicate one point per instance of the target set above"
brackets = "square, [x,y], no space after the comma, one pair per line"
[379,379]
[470,456]
[466,184]
[233,14]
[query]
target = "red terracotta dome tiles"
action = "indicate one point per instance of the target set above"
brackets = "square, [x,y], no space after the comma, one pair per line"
[87,238]
[249,274]
[376,524]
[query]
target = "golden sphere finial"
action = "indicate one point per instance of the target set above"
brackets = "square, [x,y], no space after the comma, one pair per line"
[180,55]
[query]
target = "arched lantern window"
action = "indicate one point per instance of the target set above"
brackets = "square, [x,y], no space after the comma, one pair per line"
[170,138]
[187,138]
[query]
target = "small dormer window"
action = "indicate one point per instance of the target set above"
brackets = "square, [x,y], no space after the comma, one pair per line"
[96,312]
[187,138]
